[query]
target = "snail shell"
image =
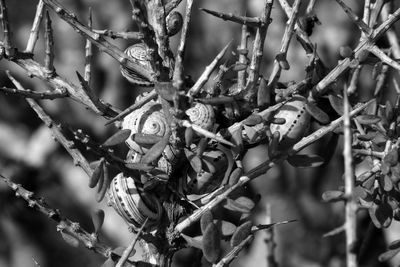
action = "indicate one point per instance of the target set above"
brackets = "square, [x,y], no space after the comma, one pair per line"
[202,115]
[174,23]
[139,54]
[297,122]
[149,119]
[131,204]
[210,178]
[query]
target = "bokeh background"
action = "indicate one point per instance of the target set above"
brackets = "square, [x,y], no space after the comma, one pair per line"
[30,156]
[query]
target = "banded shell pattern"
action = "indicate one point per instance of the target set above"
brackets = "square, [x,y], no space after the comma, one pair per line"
[202,115]
[139,54]
[297,122]
[131,204]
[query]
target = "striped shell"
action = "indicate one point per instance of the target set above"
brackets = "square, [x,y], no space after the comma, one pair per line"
[297,122]
[210,178]
[174,23]
[139,53]
[131,204]
[149,119]
[202,115]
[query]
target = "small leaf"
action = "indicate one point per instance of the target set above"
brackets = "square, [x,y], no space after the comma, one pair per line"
[253,119]
[305,161]
[377,69]
[241,233]
[263,94]
[155,151]
[239,66]
[366,137]
[278,121]
[235,206]
[189,136]
[388,255]
[392,157]
[273,144]
[205,220]
[381,215]
[196,242]
[201,146]
[146,139]
[345,51]
[368,119]
[97,172]
[386,183]
[363,55]
[226,228]
[317,113]
[211,243]
[166,90]
[235,175]
[194,160]
[251,133]
[118,138]
[245,202]
[97,219]
[336,103]
[139,166]
[389,112]
[394,244]
[102,189]
[332,196]
[237,139]
[69,239]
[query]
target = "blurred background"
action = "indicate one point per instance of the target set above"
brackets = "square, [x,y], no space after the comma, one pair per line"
[30,156]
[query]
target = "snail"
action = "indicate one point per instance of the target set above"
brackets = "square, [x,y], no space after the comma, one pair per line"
[174,23]
[133,205]
[139,54]
[297,122]
[210,177]
[202,115]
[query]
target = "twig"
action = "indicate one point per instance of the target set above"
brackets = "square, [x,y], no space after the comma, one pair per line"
[129,249]
[351,205]
[207,72]
[206,133]
[49,50]
[151,95]
[344,65]
[178,71]
[390,34]
[6,29]
[243,51]
[65,225]
[258,48]
[383,57]
[310,7]
[121,35]
[34,35]
[356,19]
[366,152]
[287,36]
[335,231]
[99,41]
[27,93]
[252,22]
[269,239]
[88,53]
[228,258]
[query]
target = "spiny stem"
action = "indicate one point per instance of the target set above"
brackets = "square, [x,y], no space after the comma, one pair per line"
[34,35]
[88,53]
[390,34]
[383,57]
[310,7]
[72,228]
[207,72]
[356,19]
[129,249]
[6,29]
[351,205]
[178,79]
[27,93]
[121,35]
[243,51]
[252,22]
[49,50]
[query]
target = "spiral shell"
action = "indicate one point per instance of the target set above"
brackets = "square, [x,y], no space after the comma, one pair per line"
[131,204]
[210,178]
[149,119]
[174,23]
[297,122]
[139,54]
[202,115]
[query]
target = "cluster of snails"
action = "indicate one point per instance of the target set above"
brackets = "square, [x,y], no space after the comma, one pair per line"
[208,165]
